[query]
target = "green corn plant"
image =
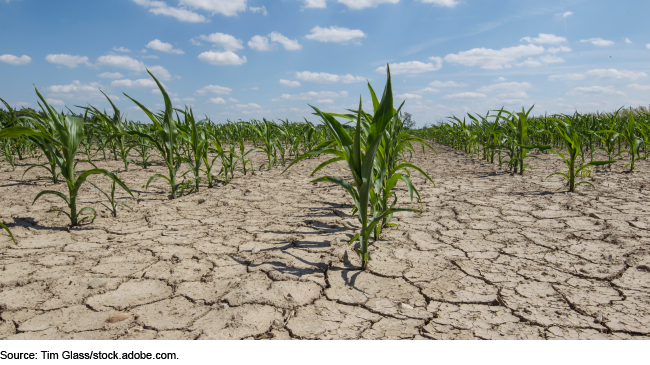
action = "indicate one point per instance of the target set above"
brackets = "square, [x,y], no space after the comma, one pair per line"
[164,139]
[142,146]
[241,157]
[111,199]
[197,144]
[359,152]
[629,134]
[573,144]
[518,123]
[68,133]
[8,231]
[265,131]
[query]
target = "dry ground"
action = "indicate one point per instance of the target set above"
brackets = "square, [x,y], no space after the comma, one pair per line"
[494,256]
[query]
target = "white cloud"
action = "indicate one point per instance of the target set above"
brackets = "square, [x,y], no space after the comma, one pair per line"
[259,9]
[546,59]
[216,101]
[121,49]
[443,3]
[616,74]
[157,91]
[134,83]
[214,89]
[529,62]
[465,95]
[77,90]
[505,87]
[447,84]
[555,50]
[232,100]
[412,67]
[195,42]
[161,8]
[288,44]
[158,45]
[572,77]
[312,95]
[246,106]
[408,96]
[639,87]
[324,77]
[428,90]
[227,41]
[225,7]
[515,94]
[55,102]
[125,62]
[289,83]
[189,100]
[66,60]
[222,58]
[259,43]
[646,46]
[598,42]
[627,40]
[544,38]
[500,79]
[361,4]
[335,34]
[325,101]
[111,75]
[564,15]
[606,90]
[492,59]
[13,60]
[255,88]
[319,4]
[153,56]
[160,72]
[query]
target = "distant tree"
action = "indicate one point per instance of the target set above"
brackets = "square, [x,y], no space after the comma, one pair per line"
[409,123]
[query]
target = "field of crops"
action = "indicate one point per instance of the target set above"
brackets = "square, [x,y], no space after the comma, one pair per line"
[537,227]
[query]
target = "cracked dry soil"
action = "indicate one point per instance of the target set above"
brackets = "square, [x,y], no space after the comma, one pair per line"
[494,256]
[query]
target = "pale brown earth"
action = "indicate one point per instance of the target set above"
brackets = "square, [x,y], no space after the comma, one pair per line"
[494,256]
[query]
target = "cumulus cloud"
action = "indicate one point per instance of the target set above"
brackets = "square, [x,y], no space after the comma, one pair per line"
[319,4]
[259,43]
[110,75]
[288,44]
[259,9]
[222,58]
[408,96]
[312,95]
[324,77]
[412,67]
[55,102]
[505,87]
[605,90]
[555,50]
[225,7]
[158,45]
[571,77]
[335,34]
[227,41]
[646,46]
[428,90]
[442,3]
[246,106]
[616,74]
[77,90]
[134,83]
[639,87]
[465,95]
[361,4]
[551,59]
[119,61]
[447,84]
[216,101]
[14,60]
[161,8]
[515,94]
[564,15]
[214,89]
[492,59]
[627,40]
[67,60]
[598,42]
[545,38]
[121,49]
[289,83]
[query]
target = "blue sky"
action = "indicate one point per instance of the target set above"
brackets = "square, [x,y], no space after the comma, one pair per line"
[243,59]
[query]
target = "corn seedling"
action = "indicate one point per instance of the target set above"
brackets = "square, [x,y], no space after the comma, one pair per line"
[8,231]
[111,199]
